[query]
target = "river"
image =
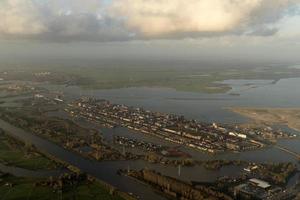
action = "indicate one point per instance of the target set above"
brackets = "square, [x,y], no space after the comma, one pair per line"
[20,172]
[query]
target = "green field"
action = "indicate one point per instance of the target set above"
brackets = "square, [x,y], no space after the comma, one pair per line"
[191,79]
[21,188]
[15,153]
[183,78]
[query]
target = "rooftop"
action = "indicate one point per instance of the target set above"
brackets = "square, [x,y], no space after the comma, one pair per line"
[260,183]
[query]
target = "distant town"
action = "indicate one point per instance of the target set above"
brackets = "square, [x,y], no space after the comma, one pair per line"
[211,138]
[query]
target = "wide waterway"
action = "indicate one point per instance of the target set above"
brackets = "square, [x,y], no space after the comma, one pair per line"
[20,172]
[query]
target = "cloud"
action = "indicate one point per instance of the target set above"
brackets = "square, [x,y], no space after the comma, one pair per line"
[119,20]
[59,20]
[156,18]
[20,17]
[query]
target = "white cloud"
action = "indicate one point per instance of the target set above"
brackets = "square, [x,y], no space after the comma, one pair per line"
[102,20]
[163,17]
[20,17]
[59,20]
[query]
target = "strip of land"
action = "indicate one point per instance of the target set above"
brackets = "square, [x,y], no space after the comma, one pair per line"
[271,116]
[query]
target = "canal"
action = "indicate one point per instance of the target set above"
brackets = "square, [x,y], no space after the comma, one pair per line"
[103,171]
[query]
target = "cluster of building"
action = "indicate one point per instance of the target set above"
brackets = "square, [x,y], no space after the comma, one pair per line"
[49,98]
[134,143]
[42,73]
[16,87]
[207,137]
[267,133]
[261,190]
[150,147]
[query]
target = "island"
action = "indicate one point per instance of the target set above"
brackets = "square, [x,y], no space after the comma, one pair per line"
[208,137]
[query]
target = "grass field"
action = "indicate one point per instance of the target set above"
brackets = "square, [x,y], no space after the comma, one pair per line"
[25,188]
[16,153]
[183,78]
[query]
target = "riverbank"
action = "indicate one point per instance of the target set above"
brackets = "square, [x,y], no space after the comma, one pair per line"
[174,188]
[95,169]
[49,186]
[271,116]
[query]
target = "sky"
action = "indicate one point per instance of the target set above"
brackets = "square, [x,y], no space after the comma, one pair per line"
[182,29]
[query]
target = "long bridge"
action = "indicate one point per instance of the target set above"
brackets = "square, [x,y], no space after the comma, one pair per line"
[293,153]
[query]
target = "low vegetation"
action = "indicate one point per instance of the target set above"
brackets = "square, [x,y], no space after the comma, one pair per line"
[16,153]
[64,187]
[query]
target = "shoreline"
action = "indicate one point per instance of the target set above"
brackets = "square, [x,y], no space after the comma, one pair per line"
[270,116]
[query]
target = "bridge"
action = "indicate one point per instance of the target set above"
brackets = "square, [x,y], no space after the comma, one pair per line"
[293,153]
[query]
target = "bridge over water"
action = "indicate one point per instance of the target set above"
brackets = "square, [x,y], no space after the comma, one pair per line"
[293,153]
